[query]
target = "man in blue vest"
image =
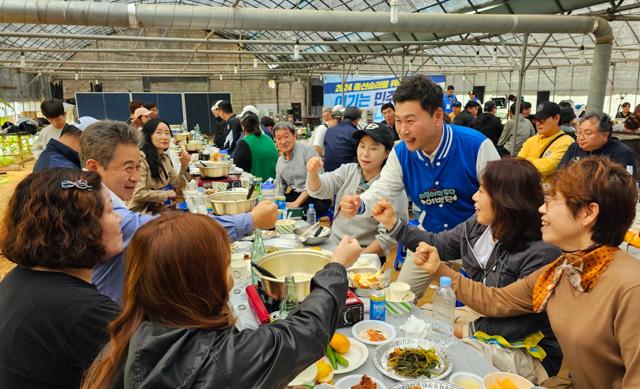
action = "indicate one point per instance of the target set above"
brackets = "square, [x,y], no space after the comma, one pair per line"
[438,165]
[449,100]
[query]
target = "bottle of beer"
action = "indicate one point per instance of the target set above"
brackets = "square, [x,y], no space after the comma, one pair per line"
[290,300]
[257,252]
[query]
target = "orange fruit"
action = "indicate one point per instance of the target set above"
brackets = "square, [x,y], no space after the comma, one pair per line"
[340,343]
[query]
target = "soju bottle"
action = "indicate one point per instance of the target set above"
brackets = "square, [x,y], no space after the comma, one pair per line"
[290,300]
[257,252]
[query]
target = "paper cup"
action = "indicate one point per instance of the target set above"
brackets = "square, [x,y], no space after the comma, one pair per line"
[285,226]
[398,308]
[240,272]
[398,291]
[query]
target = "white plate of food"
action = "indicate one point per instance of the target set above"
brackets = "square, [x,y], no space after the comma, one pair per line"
[425,384]
[373,332]
[406,359]
[359,379]
[356,356]
[368,279]
[307,375]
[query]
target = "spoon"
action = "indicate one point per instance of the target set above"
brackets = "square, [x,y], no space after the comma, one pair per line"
[262,270]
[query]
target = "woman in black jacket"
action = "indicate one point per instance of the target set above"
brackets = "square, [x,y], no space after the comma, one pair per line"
[500,244]
[176,329]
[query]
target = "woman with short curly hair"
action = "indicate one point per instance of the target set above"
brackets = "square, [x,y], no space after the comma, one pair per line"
[59,224]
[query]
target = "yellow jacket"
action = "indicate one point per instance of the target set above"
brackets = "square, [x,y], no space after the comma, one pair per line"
[547,163]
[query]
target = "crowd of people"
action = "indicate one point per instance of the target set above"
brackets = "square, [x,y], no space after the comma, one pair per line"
[113,290]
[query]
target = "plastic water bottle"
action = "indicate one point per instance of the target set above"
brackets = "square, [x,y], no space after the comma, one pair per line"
[443,316]
[201,202]
[269,191]
[197,131]
[311,215]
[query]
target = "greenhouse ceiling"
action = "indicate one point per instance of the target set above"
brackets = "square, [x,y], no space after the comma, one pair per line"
[55,49]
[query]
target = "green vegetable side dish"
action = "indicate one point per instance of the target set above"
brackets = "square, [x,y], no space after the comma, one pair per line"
[413,362]
[332,357]
[341,360]
[335,358]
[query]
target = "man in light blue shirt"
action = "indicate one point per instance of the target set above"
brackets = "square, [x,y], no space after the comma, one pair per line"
[111,149]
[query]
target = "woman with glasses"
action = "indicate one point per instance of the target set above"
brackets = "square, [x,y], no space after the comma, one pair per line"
[373,146]
[591,291]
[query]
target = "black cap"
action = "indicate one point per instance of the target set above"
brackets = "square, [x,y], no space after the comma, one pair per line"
[379,132]
[457,104]
[471,104]
[547,109]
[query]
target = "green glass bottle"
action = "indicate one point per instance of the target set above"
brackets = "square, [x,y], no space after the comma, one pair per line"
[257,252]
[290,301]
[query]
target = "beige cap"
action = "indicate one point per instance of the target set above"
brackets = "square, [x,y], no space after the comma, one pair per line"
[142,111]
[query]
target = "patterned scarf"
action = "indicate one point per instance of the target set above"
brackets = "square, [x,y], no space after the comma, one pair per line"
[583,269]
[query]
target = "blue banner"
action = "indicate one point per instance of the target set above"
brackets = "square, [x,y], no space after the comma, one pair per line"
[367,93]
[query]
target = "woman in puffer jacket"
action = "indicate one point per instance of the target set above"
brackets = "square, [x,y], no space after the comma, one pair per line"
[500,244]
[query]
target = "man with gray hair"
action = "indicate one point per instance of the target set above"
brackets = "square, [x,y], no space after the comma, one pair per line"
[317,138]
[111,149]
[593,137]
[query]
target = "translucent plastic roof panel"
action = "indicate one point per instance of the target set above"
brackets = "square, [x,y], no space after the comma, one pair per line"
[444,55]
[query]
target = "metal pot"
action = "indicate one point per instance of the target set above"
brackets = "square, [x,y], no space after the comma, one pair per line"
[290,262]
[214,169]
[183,137]
[232,202]
[194,146]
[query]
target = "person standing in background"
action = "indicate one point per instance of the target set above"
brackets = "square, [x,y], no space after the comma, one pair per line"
[153,108]
[133,105]
[317,137]
[449,100]
[232,130]
[217,124]
[53,110]
[388,111]
[339,145]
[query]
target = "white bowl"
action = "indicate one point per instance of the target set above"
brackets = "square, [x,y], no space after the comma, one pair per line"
[456,377]
[351,380]
[388,330]
[519,382]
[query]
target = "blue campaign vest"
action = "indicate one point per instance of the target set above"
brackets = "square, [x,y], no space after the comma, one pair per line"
[443,189]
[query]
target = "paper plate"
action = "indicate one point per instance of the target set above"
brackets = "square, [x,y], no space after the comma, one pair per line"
[352,380]
[357,356]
